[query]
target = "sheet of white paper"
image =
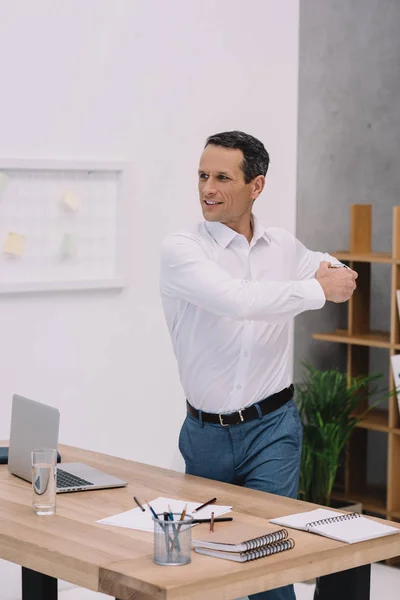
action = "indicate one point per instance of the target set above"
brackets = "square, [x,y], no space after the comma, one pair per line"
[137,519]
[3,181]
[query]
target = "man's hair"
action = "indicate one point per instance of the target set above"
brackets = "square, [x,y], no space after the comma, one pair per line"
[255,157]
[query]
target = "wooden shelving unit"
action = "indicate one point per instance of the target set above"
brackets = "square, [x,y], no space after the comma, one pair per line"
[372,339]
[381,501]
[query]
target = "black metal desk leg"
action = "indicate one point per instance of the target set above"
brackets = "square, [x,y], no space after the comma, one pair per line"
[36,586]
[353,584]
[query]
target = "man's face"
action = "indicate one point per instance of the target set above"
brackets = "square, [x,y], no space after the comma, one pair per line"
[224,195]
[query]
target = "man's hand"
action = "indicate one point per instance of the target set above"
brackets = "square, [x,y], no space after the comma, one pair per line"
[338,284]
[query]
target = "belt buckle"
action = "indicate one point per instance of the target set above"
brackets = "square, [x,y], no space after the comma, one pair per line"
[221,421]
[226,424]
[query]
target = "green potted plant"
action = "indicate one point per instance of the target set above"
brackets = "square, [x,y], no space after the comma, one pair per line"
[330,407]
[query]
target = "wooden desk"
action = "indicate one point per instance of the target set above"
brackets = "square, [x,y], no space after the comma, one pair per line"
[118,562]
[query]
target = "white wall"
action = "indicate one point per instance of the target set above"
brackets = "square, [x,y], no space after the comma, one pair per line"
[144,81]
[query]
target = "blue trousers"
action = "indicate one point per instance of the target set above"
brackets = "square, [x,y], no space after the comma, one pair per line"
[263,454]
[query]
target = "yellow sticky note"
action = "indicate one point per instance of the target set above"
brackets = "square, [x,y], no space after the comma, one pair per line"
[71,200]
[14,244]
[3,181]
[68,245]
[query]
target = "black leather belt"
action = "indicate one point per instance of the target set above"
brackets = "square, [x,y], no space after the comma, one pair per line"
[267,405]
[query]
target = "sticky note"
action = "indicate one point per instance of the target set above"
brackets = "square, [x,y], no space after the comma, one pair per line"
[68,246]
[14,244]
[71,200]
[3,181]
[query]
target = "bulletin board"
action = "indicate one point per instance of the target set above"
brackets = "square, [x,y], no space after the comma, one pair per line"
[61,225]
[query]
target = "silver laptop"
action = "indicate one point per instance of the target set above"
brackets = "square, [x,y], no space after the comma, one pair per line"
[36,425]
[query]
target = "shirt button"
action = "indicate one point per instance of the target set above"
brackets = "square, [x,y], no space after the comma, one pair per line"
[245,353]
[238,387]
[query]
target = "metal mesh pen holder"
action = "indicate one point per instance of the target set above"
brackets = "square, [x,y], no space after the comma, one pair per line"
[172,540]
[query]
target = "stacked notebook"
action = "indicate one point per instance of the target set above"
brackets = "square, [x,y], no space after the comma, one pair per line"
[344,527]
[240,541]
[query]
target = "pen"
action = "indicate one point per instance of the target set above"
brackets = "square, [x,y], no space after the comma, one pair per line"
[212,523]
[205,504]
[138,503]
[171,517]
[216,520]
[155,515]
[167,538]
[153,512]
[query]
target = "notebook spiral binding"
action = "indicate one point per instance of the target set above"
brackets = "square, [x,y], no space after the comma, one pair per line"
[263,540]
[353,515]
[273,548]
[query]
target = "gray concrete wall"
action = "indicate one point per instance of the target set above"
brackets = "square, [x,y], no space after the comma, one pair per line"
[348,152]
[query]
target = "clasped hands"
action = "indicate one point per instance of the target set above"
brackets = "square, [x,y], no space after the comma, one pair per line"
[338,283]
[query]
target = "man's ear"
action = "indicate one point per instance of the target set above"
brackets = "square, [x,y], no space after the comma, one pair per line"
[258,184]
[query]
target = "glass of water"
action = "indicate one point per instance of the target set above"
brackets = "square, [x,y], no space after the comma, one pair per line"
[44,466]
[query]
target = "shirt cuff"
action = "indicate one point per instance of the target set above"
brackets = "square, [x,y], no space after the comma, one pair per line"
[334,261]
[314,296]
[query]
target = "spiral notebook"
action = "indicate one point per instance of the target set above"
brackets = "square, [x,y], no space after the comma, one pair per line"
[242,540]
[343,527]
[273,548]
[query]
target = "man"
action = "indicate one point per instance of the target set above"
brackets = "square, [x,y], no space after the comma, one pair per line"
[230,288]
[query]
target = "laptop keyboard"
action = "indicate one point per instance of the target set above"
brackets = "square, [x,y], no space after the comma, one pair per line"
[66,480]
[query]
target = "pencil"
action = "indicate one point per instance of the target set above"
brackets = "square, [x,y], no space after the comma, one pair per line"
[183,514]
[212,523]
[138,503]
[205,504]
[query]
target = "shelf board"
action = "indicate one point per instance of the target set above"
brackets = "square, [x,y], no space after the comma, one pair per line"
[377,420]
[377,339]
[373,499]
[369,257]
[395,514]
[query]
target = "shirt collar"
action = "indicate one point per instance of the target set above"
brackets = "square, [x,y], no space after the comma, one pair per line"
[223,235]
[259,231]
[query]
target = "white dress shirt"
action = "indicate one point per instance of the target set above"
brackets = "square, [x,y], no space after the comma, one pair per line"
[228,306]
